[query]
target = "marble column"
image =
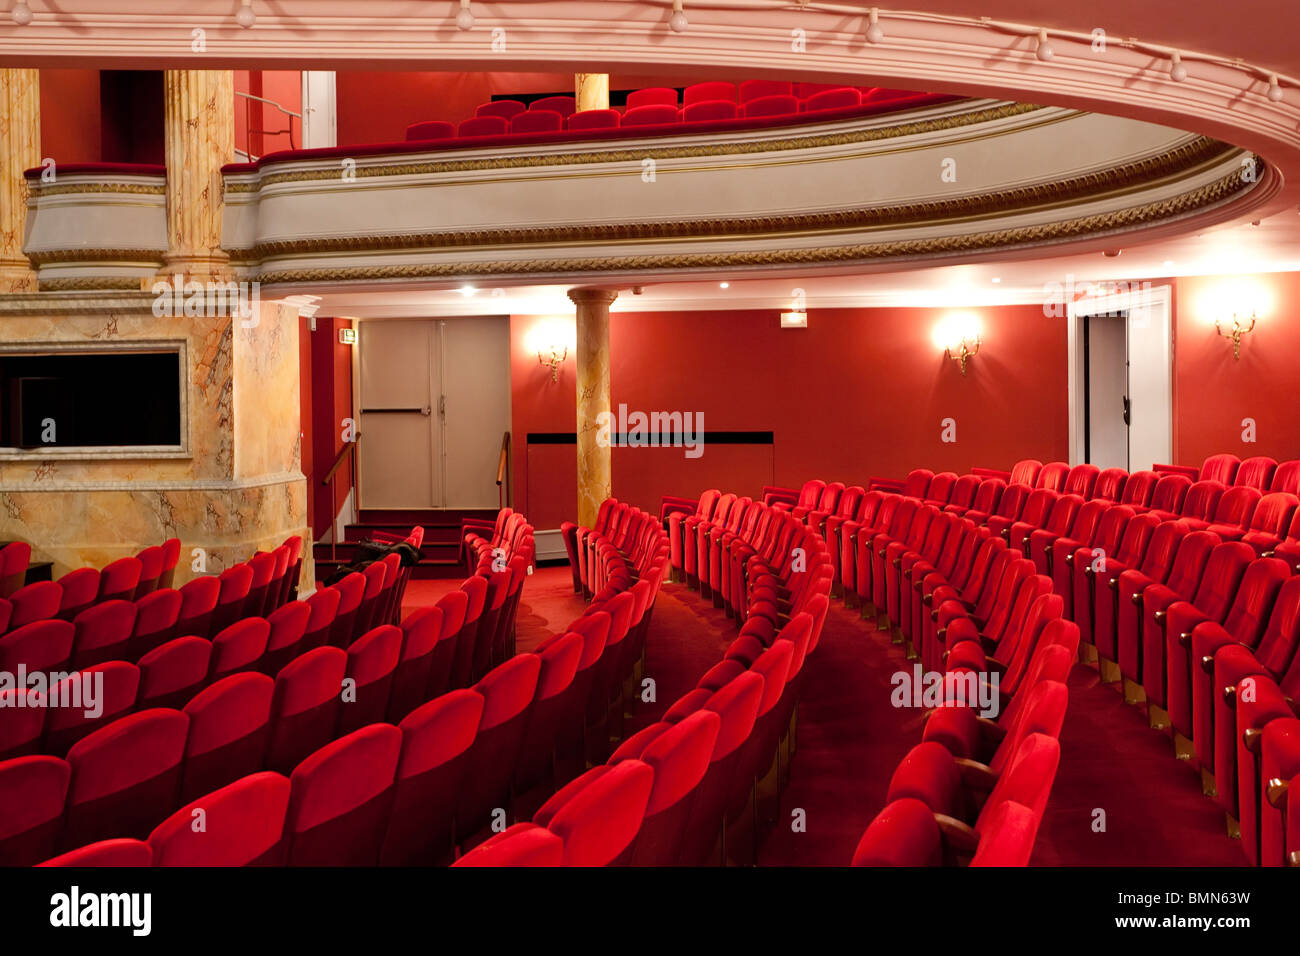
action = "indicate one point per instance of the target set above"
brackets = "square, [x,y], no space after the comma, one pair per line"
[592,359]
[20,149]
[199,129]
[591,90]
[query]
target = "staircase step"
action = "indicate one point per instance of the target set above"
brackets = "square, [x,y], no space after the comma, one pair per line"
[425,516]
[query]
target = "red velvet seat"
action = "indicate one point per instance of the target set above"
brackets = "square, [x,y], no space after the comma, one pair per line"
[598,815]
[172,673]
[238,647]
[1287,478]
[351,590]
[430,129]
[756,89]
[564,105]
[230,724]
[243,823]
[114,853]
[652,96]
[24,722]
[475,589]
[156,615]
[436,741]
[340,800]
[537,121]
[1118,608]
[505,109]
[288,624]
[649,116]
[1053,476]
[119,579]
[324,608]
[1110,484]
[151,568]
[35,602]
[508,692]
[198,602]
[524,844]
[375,575]
[1168,495]
[14,559]
[113,686]
[707,110]
[1092,574]
[79,590]
[559,665]
[1256,473]
[32,794]
[781,104]
[1199,504]
[1220,468]
[713,90]
[39,646]
[1139,489]
[1025,472]
[235,582]
[171,557]
[841,98]
[102,633]
[125,777]
[305,706]
[483,126]
[593,119]
[1267,525]
[372,662]
[263,565]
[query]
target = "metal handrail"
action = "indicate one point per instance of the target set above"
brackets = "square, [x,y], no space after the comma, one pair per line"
[502,468]
[349,449]
[248,123]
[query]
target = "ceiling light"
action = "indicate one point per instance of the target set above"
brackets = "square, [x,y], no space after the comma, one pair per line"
[467,290]
[724,285]
[1169,263]
[245,17]
[1274,91]
[1112,253]
[874,33]
[677,22]
[21,14]
[1045,50]
[997,279]
[1177,72]
[465,16]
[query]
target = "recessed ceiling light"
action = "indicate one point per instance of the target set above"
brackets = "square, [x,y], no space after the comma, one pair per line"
[467,290]
[997,279]
[1169,263]
[724,285]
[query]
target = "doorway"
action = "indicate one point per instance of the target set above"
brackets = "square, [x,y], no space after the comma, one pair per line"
[434,403]
[1105,382]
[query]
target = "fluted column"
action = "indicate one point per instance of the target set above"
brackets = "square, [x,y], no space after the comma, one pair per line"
[591,90]
[592,359]
[200,139]
[20,149]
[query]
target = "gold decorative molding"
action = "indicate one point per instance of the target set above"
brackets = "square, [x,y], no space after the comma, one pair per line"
[89,283]
[680,151]
[1192,156]
[40,190]
[1098,224]
[147,256]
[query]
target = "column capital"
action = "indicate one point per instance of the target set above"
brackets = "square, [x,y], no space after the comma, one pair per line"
[588,294]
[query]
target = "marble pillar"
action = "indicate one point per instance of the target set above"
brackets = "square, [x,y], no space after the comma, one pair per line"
[199,129]
[591,90]
[20,150]
[595,483]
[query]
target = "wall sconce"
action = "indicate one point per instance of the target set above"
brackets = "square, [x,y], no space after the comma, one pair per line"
[553,356]
[1238,331]
[551,340]
[959,337]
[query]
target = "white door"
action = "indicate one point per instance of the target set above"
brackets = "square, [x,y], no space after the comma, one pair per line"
[397,455]
[1106,361]
[475,367]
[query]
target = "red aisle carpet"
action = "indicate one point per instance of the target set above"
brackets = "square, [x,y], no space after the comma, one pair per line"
[850,738]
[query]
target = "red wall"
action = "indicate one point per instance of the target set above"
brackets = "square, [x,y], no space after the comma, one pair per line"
[1212,392]
[377,107]
[70,116]
[859,393]
[327,402]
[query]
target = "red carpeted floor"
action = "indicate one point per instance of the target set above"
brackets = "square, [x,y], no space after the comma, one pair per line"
[851,737]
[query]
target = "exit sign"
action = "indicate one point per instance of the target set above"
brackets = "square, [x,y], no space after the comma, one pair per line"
[348,336]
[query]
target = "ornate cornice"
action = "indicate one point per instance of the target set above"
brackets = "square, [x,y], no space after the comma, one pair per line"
[148,256]
[642,152]
[91,283]
[1099,224]
[41,190]
[1191,156]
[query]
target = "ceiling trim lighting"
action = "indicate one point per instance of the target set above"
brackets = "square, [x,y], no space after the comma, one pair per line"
[678,22]
[1044,51]
[21,14]
[1274,91]
[874,31]
[464,16]
[246,17]
[1177,72]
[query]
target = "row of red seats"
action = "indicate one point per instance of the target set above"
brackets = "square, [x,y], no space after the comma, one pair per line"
[174,672]
[264,582]
[658,106]
[128,630]
[247,721]
[665,795]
